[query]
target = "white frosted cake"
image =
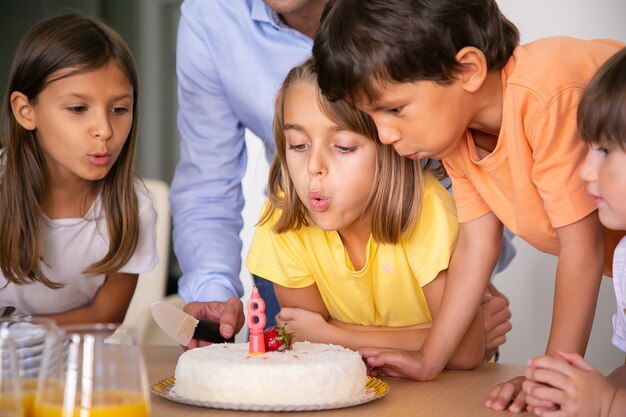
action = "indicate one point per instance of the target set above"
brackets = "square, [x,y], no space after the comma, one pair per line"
[309,374]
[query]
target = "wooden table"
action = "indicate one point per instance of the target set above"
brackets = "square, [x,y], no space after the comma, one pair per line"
[455,393]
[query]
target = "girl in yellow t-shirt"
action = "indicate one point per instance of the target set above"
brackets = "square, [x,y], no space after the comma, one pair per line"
[353,263]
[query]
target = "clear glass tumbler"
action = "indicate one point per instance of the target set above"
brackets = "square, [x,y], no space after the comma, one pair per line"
[32,337]
[10,389]
[99,372]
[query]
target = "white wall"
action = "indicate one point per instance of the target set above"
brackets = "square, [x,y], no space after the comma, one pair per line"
[254,186]
[529,280]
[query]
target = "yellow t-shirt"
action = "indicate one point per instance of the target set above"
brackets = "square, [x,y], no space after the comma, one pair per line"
[387,291]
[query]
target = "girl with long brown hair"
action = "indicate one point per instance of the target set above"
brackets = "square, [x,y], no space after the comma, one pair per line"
[76,225]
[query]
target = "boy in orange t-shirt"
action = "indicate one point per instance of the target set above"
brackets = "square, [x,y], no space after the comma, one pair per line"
[451,82]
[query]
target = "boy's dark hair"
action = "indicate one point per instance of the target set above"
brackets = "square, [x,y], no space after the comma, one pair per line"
[602,109]
[363,41]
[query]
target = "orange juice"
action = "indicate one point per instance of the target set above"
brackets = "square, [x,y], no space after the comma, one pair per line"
[29,386]
[103,404]
[9,405]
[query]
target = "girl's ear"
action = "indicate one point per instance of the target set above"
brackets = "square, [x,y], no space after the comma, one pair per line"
[474,68]
[23,110]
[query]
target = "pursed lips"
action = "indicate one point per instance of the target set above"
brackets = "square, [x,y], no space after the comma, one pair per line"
[99,158]
[596,198]
[319,202]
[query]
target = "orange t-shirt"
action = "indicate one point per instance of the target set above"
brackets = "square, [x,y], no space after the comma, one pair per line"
[531,179]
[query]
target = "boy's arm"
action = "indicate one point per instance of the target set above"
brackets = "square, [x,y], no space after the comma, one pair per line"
[578,275]
[471,265]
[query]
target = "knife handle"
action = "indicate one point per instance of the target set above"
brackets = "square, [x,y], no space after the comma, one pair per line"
[210,331]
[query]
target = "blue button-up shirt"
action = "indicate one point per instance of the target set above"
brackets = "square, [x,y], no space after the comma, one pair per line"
[232,56]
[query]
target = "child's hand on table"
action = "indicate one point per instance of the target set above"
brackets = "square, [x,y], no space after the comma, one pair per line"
[508,394]
[397,363]
[566,383]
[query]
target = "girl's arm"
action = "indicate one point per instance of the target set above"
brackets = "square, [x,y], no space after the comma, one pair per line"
[307,298]
[315,328]
[108,306]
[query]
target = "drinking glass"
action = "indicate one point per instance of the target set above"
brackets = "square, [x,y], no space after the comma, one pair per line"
[31,336]
[10,389]
[100,372]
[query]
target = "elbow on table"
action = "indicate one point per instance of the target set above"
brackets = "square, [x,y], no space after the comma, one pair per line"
[466,359]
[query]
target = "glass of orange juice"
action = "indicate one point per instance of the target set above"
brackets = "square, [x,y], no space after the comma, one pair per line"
[98,372]
[10,388]
[32,336]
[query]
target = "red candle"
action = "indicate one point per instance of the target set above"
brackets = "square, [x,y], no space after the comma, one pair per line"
[256,321]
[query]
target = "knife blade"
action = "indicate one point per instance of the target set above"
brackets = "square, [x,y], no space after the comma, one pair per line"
[183,327]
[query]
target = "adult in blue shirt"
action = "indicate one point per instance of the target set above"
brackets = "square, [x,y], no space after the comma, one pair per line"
[232,56]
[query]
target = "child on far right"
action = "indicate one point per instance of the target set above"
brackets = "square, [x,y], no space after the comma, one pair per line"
[567,385]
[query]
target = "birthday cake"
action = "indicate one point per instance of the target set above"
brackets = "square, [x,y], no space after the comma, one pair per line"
[308,374]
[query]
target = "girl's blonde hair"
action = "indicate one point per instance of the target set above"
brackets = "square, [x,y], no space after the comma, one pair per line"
[395,198]
[65,41]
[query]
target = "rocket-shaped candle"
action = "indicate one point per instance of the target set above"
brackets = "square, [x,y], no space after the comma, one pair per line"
[256,321]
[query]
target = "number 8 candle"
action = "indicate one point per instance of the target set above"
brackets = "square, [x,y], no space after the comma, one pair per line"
[256,321]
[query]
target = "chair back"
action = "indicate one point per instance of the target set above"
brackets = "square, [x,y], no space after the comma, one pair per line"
[151,285]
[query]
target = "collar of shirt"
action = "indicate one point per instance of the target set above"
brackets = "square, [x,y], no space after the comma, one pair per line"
[261,12]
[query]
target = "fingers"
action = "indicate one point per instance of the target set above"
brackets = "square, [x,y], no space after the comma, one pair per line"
[519,403]
[285,314]
[498,308]
[487,296]
[542,396]
[548,363]
[576,360]
[383,361]
[507,393]
[193,343]
[211,310]
[369,354]
[497,322]
[495,342]
[494,292]
[232,317]
[497,336]
[500,396]
[547,376]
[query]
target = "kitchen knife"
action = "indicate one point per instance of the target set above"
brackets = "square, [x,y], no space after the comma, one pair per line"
[182,327]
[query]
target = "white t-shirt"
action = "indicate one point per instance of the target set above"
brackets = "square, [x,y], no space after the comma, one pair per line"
[71,245]
[619,285]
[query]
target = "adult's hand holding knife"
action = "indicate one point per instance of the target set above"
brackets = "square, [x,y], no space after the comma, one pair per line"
[229,314]
[207,322]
